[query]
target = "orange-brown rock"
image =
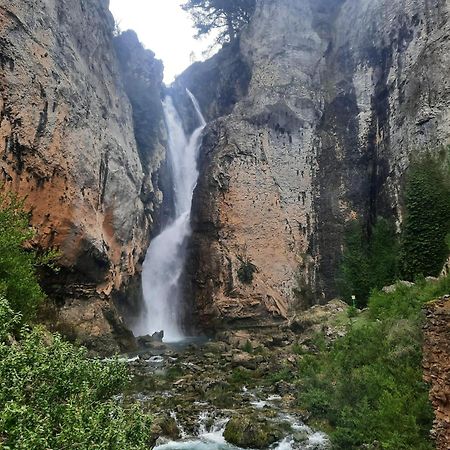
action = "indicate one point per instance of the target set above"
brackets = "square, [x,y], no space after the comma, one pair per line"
[436,364]
[67,143]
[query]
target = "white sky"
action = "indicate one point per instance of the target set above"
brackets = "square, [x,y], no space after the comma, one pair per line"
[163,27]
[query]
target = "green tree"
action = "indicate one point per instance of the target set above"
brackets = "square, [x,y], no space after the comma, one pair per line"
[368,262]
[354,273]
[427,218]
[18,279]
[226,16]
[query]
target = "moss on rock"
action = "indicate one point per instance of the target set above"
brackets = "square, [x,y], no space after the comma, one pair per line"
[251,432]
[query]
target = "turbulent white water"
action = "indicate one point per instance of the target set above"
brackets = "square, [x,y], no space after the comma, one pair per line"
[214,440]
[165,257]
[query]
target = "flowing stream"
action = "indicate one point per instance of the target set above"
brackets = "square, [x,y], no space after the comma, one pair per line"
[165,257]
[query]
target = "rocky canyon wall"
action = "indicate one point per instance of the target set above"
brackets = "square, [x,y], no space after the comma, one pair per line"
[340,94]
[76,143]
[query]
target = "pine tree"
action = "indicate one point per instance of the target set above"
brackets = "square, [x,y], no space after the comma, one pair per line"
[226,16]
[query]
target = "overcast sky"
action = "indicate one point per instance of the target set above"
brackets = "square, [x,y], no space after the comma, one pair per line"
[162,26]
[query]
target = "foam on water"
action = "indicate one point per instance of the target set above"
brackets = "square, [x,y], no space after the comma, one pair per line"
[214,439]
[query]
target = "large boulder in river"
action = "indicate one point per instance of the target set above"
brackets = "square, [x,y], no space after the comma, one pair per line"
[164,426]
[251,431]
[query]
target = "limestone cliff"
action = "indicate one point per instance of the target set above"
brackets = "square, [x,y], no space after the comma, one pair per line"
[68,137]
[436,365]
[339,95]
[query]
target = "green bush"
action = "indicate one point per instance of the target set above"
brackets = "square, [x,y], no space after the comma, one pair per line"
[18,280]
[369,260]
[427,220]
[368,385]
[240,375]
[246,271]
[53,397]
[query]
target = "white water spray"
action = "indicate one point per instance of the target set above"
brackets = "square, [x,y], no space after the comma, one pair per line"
[165,257]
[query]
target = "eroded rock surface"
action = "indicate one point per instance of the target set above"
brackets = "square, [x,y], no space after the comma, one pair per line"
[67,142]
[342,93]
[436,365]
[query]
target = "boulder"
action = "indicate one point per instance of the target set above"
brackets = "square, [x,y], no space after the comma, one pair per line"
[393,287]
[244,359]
[251,431]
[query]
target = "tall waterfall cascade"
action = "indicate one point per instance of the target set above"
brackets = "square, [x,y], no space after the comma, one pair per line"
[166,255]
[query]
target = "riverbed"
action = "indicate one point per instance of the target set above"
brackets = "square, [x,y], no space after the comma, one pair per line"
[194,388]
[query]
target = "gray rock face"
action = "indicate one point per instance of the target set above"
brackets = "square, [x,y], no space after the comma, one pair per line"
[342,94]
[68,142]
[217,83]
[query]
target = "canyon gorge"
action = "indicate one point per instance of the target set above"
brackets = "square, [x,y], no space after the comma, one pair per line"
[312,116]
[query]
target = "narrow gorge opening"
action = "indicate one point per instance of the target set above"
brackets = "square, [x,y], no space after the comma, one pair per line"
[165,259]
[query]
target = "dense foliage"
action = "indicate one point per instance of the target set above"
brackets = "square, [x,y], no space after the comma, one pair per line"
[376,257]
[368,386]
[226,17]
[51,395]
[368,262]
[18,282]
[427,219]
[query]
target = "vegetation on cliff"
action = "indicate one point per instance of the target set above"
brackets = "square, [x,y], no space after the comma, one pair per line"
[51,395]
[18,282]
[368,263]
[427,221]
[376,256]
[224,17]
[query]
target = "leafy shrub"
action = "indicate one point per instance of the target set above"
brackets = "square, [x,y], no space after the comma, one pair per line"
[246,271]
[52,396]
[247,347]
[241,375]
[284,374]
[18,280]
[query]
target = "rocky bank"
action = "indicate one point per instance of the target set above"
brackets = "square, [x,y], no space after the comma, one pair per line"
[241,384]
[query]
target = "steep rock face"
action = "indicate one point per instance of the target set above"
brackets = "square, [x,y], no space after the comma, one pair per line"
[436,366]
[67,143]
[217,83]
[342,93]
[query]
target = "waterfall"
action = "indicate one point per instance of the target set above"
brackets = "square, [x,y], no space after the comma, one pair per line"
[165,257]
